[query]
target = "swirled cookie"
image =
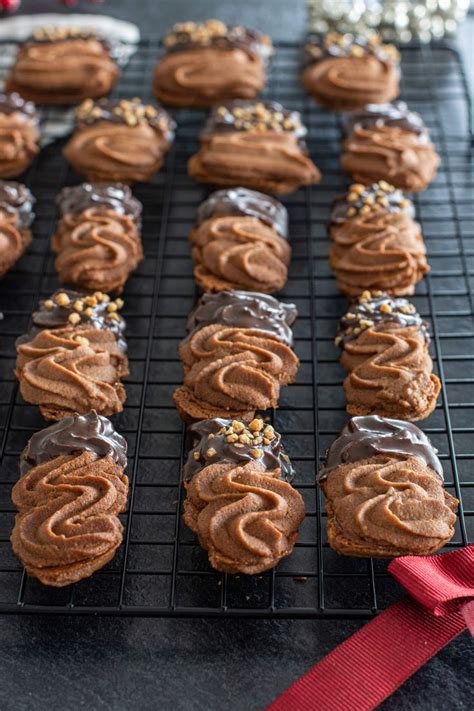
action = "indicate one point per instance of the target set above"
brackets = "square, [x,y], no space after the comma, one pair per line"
[345,72]
[384,491]
[119,140]
[237,249]
[211,62]
[385,351]
[74,356]
[63,65]
[66,381]
[391,143]
[231,372]
[16,216]
[97,246]
[19,134]
[245,517]
[244,309]
[376,244]
[68,498]
[254,144]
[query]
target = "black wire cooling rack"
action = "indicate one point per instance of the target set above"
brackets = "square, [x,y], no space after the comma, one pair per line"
[160,570]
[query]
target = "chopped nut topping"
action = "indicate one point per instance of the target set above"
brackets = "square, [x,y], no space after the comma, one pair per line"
[256,453]
[232,438]
[375,308]
[62,299]
[211,452]
[74,318]
[196,456]
[256,425]
[49,304]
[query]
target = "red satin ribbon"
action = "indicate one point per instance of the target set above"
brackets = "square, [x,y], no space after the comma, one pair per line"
[369,666]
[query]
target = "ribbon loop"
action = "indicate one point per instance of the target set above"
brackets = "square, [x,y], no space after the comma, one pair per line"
[441,583]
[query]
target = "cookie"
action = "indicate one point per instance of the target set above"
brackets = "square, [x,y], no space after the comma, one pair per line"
[64,65]
[71,490]
[345,72]
[19,134]
[384,491]
[244,309]
[257,145]
[385,351]
[389,142]
[240,242]
[224,440]
[16,216]
[376,244]
[74,356]
[119,141]
[232,372]
[209,62]
[97,241]
[239,501]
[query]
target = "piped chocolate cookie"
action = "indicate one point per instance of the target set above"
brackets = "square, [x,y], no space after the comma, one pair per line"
[74,356]
[344,71]
[376,243]
[119,141]
[232,372]
[239,501]
[257,145]
[385,352]
[97,241]
[209,62]
[389,142]
[16,216]
[71,491]
[384,491]
[240,242]
[19,134]
[64,65]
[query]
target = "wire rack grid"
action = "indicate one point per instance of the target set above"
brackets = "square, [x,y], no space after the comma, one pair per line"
[160,570]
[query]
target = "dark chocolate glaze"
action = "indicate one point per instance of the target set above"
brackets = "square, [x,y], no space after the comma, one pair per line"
[58,317]
[129,112]
[241,201]
[113,196]
[385,197]
[14,103]
[210,446]
[17,199]
[246,115]
[396,114]
[244,309]
[371,436]
[319,47]
[235,37]
[376,309]
[78,433]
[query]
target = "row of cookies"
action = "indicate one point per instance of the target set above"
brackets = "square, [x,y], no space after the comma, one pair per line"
[382,478]
[237,355]
[203,64]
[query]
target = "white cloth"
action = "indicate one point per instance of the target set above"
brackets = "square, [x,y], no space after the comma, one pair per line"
[57,121]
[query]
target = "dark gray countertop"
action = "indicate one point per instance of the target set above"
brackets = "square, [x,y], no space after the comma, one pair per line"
[70,663]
